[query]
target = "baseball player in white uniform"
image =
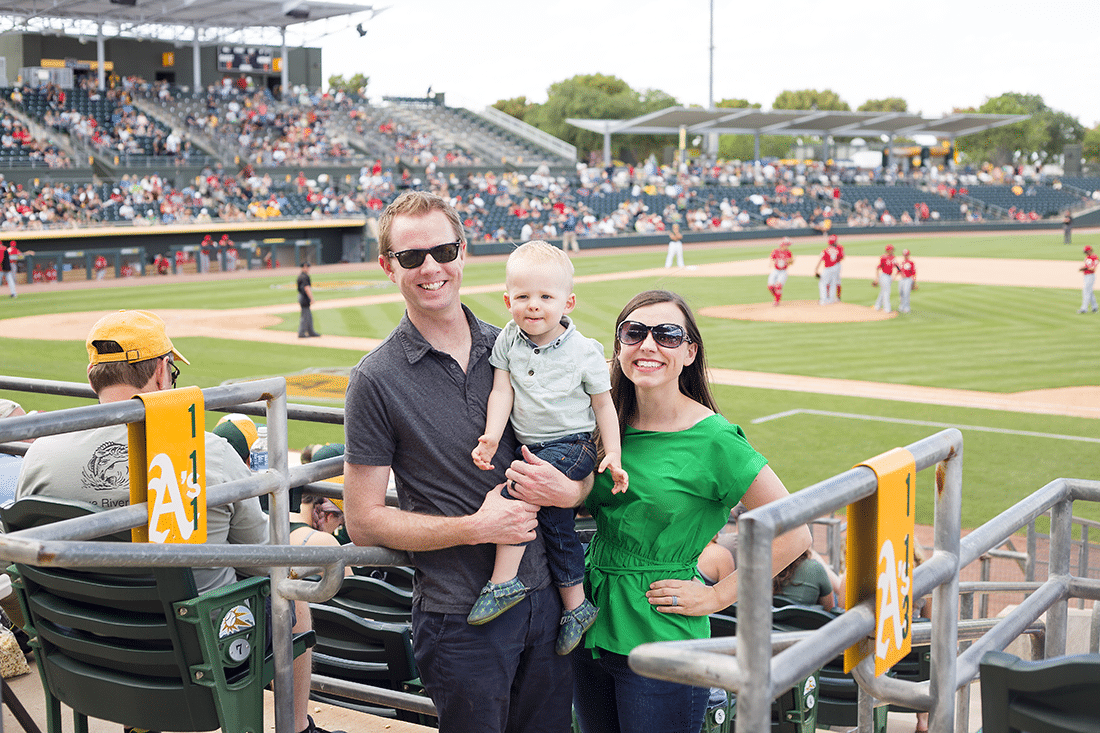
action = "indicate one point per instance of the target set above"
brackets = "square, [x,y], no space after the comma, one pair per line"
[884,276]
[1088,297]
[828,270]
[907,282]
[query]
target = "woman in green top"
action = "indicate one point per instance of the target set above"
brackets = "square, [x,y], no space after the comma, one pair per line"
[692,468]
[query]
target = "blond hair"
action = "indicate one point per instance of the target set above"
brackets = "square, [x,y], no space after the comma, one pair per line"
[538,252]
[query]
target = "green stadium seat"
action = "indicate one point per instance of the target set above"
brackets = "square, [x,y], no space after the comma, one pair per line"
[139,646]
[1047,696]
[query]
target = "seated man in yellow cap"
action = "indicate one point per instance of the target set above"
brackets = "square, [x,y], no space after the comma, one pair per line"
[129,353]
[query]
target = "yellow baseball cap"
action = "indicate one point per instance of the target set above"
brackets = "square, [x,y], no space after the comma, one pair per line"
[140,334]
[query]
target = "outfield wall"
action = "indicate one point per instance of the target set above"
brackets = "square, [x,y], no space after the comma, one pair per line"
[346,239]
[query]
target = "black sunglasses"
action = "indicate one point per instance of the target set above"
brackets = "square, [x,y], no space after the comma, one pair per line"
[668,335]
[174,371]
[441,253]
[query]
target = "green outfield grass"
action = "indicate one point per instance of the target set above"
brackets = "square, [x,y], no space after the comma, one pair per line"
[1000,339]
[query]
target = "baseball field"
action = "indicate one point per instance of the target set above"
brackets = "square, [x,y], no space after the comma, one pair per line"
[994,346]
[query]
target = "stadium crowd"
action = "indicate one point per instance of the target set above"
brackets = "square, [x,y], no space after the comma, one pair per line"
[308,128]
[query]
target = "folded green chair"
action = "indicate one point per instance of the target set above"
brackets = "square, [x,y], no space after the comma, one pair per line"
[139,646]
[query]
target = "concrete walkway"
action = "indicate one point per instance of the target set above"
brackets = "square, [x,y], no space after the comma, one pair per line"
[28,689]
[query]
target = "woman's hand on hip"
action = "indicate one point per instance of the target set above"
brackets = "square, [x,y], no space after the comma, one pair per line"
[685,597]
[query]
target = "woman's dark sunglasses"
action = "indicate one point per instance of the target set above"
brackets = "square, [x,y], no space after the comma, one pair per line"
[441,253]
[668,335]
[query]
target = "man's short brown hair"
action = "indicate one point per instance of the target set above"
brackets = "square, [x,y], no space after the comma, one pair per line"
[108,374]
[415,203]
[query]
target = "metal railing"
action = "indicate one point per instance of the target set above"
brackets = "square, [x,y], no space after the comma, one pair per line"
[745,663]
[66,543]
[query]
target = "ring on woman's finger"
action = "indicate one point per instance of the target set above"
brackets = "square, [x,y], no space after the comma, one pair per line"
[675,601]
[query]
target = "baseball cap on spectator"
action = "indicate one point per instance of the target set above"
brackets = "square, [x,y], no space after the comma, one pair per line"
[140,334]
[239,430]
[7,407]
[330,450]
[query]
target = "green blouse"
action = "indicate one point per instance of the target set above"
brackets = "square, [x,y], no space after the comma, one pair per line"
[682,488]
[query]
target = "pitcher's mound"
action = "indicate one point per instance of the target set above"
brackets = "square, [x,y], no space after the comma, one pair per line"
[798,311]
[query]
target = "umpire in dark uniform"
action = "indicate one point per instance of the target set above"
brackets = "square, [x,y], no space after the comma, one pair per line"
[305,300]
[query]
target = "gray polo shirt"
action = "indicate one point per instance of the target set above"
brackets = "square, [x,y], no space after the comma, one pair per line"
[553,383]
[411,407]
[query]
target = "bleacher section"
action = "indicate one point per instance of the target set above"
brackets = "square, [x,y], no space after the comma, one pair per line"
[898,199]
[1042,200]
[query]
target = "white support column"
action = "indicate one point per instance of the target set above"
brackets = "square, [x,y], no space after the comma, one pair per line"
[100,57]
[196,66]
[284,70]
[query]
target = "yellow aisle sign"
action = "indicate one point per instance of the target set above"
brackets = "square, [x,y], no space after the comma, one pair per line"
[168,466]
[880,559]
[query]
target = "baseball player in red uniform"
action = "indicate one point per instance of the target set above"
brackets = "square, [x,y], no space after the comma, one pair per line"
[884,274]
[907,282]
[782,258]
[828,270]
[100,267]
[1088,297]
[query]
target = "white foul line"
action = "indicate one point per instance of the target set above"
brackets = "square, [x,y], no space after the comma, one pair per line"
[925,423]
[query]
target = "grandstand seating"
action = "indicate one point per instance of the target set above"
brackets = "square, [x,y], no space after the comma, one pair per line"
[1043,200]
[365,651]
[1051,695]
[128,645]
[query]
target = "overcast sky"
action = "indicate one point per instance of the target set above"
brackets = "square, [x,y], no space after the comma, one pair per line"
[937,55]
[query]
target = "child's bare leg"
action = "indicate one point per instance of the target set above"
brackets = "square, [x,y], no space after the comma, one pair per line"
[571,596]
[506,566]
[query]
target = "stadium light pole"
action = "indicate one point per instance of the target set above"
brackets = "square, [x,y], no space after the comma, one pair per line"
[712,138]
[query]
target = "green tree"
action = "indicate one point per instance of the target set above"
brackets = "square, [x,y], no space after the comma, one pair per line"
[355,84]
[743,147]
[1091,145]
[518,107]
[1041,137]
[811,99]
[889,104]
[602,97]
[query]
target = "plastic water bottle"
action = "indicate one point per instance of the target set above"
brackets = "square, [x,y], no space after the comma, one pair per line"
[257,457]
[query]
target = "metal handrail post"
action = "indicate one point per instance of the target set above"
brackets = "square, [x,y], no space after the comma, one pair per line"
[945,596]
[1061,537]
[279,518]
[754,649]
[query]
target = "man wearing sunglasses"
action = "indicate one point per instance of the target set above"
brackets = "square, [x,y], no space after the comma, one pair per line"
[129,353]
[416,404]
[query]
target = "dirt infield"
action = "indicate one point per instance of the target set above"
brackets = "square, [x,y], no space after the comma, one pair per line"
[253,324]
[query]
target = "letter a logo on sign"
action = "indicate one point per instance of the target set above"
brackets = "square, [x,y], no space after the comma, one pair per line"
[173,480]
[880,559]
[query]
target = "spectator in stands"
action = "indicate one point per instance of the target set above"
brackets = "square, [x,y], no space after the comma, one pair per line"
[316,523]
[405,410]
[130,354]
[642,563]
[10,464]
[715,562]
[805,582]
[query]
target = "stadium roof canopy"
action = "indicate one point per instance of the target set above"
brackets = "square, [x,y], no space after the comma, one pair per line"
[752,121]
[261,22]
